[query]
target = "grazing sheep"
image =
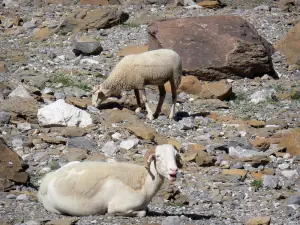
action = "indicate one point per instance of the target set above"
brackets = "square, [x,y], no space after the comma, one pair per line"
[138,70]
[88,188]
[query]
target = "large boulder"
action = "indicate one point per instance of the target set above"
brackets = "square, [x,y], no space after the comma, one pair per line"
[214,47]
[289,45]
[12,168]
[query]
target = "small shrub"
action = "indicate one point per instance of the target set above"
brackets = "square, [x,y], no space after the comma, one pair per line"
[256,184]
[295,95]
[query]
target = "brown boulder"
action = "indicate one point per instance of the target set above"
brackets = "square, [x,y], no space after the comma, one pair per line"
[42,34]
[214,47]
[291,141]
[289,45]
[103,18]
[216,90]
[259,220]
[12,169]
[23,107]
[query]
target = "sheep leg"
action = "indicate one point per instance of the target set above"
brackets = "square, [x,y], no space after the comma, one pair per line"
[174,98]
[129,213]
[149,111]
[162,95]
[138,100]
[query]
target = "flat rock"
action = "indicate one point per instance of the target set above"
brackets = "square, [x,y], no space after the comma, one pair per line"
[110,149]
[260,220]
[82,143]
[231,45]
[63,221]
[79,102]
[291,141]
[70,131]
[76,154]
[60,113]
[143,131]
[270,181]
[20,91]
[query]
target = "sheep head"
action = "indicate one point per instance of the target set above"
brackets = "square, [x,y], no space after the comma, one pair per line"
[99,94]
[165,157]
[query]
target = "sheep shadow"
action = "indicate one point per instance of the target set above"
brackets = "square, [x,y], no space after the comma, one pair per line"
[182,114]
[192,216]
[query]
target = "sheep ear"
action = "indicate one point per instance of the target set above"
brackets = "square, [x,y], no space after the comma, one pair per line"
[149,160]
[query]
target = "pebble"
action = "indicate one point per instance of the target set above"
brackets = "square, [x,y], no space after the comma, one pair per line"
[22,197]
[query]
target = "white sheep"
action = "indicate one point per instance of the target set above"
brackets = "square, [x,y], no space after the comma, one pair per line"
[89,188]
[138,70]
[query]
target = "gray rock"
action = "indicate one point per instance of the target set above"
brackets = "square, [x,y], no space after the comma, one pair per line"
[29,24]
[22,197]
[4,117]
[172,220]
[87,48]
[186,123]
[294,199]
[263,95]
[110,149]
[39,155]
[17,143]
[262,8]
[59,95]
[24,126]
[243,153]
[74,91]
[80,142]
[270,181]
[20,91]
[66,26]
[237,165]
[47,90]
[241,142]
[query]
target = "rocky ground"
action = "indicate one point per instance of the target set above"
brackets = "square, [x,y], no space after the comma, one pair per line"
[240,157]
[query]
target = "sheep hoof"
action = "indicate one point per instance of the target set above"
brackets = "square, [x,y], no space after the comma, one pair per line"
[138,110]
[141,213]
[150,116]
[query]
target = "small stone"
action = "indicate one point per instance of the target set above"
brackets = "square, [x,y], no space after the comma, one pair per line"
[110,149]
[171,220]
[260,220]
[143,131]
[82,143]
[116,136]
[24,126]
[128,144]
[237,165]
[63,221]
[42,34]
[238,172]
[32,222]
[187,123]
[283,166]
[256,123]
[11,196]
[243,153]
[22,197]
[270,181]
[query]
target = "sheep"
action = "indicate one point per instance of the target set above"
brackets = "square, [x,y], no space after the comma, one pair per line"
[135,71]
[112,188]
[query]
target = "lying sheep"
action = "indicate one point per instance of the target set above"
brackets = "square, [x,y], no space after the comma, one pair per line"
[135,71]
[88,188]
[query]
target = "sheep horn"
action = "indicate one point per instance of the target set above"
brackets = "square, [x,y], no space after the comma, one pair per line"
[149,155]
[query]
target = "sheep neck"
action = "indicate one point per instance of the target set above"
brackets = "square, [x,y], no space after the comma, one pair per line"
[153,181]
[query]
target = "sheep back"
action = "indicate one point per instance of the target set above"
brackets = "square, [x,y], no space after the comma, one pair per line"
[149,68]
[86,179]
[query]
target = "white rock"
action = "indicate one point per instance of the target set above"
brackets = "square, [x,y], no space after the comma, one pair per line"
[243,133]
[20,91]
[61,113]
[289,173]
[89,61]
[283,166]
[263,95]
[116,136]
[130,143]
[110,149]
[22,197]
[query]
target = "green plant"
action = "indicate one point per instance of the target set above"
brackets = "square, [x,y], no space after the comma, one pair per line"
[176,204]
[295,95]
[54,165]
[131,24]
[278,88]
[256,184]
[70,81]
